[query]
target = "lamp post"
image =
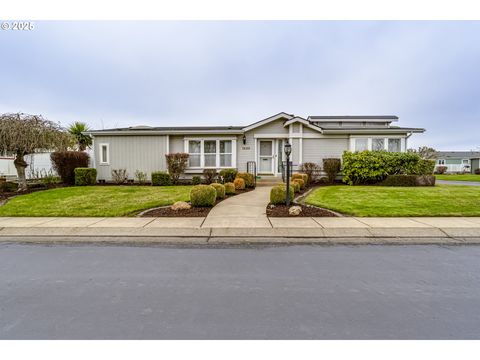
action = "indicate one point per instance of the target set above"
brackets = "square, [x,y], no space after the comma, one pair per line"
[288,151]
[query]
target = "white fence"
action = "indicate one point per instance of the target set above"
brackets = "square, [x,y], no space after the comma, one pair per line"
[39,165]
[457,168]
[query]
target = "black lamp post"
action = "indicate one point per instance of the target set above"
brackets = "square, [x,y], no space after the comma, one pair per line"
[288,151]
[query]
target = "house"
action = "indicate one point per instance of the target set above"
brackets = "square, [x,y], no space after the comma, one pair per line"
[458,161]
[39,165]
[259,144]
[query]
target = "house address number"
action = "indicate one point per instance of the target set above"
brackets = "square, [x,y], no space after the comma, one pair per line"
[245,147]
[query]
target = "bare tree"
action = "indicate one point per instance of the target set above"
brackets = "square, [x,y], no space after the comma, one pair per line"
[424,152]
[25,134]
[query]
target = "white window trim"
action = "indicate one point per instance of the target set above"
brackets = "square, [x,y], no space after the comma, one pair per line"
[370,141]
[217,157]
[441,162]
[100,158]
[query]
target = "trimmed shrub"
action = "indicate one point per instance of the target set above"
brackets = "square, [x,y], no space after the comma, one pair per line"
[220,188]
[399,180]
[161,178]
[210,175]
[203,195]
[477,171]
[119,176]
[278,194]
[367,167]
[228,175]
[85,176]
[332,168]
[65,163]
[196,180]
[140,176]
[239,184]
[229,188]
[425,167]
[248,178]
[8,186]
[176,165]
[300,182]
[441,169]
[302,176]
[296,185]
[311,169]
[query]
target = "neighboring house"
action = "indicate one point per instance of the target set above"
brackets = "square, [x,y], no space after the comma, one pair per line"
[39,165]
[458,161]
[261,143]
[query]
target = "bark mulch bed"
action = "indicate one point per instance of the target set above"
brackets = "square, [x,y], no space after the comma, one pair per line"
[166,211]
[307,211]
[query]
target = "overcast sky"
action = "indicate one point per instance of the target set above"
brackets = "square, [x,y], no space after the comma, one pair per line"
[113,74]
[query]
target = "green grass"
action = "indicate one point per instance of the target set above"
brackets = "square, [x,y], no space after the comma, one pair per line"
[459,177]
[94,200]
[440,200]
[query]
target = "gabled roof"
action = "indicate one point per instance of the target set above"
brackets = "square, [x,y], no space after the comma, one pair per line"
[325,118]
[268,120]
[304,122]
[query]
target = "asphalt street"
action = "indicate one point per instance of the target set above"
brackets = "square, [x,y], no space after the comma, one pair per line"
[288,292]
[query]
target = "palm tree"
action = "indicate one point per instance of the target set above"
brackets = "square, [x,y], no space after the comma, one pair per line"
[77,129]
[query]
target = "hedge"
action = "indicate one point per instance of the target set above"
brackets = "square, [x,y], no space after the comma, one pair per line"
[278,194]
[248,178]
[220,189]
[399,180]
[161,178]
[203,195]
[85,176]
[196,180]
[229,188]
[65,163]
[368,167]
[296,185]
[302,176]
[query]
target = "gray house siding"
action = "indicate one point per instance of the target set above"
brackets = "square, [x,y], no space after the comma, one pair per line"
[145,153]
[315,150]
[275,127]
[245,152]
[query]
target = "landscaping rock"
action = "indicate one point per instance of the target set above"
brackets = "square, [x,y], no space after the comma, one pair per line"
[294,210]
[425,180]
[180,205]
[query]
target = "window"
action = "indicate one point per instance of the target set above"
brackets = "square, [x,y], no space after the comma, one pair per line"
[225,153]
[104,154]
[210,153]
[441,162]
[361,144]
[394,145]
[194,152]
[466,162]
[378,144]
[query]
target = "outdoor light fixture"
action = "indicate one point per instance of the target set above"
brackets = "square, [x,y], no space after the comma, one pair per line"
[288,151]
[244,139]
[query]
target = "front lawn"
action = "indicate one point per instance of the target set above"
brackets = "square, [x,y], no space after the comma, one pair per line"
[440,200]
[94,200]
[459,177]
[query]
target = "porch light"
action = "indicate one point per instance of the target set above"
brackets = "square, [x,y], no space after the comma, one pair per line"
[288,149]
[244,139]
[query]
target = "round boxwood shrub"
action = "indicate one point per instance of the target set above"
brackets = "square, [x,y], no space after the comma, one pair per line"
[85,176]
[278,194]
[248,178]
[300,182]
[203,195]
[228,175]
[302,176]
[220,188]
[296,185]
[229,188]
[196,180]
[161,178]
[239,184]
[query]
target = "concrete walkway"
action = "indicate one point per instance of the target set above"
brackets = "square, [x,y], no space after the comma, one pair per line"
[246,229]
[244,210]
[464,183]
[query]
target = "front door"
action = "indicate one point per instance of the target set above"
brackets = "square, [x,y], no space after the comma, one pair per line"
[265,156]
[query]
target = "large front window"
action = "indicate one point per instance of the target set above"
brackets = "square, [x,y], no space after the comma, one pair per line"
[394,145]
[210,153]
[361,144]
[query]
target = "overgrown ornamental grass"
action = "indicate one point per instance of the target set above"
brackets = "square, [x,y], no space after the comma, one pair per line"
[459,177]
[94,200]
[440,200]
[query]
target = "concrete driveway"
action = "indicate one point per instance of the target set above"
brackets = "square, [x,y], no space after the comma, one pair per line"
[465,183]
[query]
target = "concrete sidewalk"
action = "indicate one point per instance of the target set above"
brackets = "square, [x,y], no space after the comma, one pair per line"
[276,230]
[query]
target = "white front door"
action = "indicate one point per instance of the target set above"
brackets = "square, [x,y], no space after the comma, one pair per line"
[265,157]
